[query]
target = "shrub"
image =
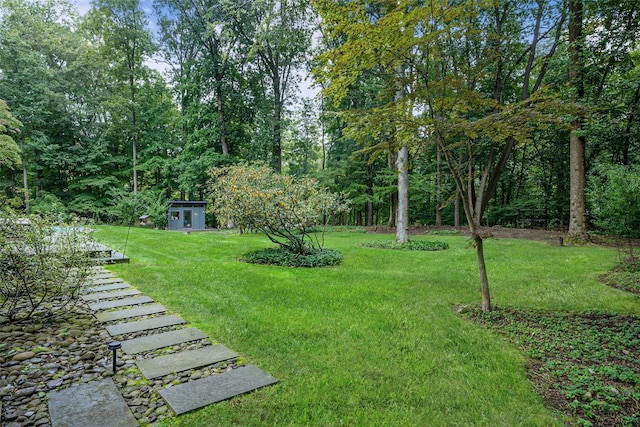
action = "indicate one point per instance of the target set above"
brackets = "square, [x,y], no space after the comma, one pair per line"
[43,265]
[127,207]
[284,208]
[409,246]
[613,193]
[285,258]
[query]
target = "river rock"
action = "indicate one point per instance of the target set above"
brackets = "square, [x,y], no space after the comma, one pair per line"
[25,355]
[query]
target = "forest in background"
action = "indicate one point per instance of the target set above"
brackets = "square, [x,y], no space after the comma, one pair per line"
[98,130]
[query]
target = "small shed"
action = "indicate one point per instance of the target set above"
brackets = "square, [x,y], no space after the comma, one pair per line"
[145,220]
[186,214]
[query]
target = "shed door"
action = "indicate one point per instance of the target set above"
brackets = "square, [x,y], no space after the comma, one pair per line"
[187,219]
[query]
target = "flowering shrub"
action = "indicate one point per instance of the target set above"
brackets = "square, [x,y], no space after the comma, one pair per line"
[284,208]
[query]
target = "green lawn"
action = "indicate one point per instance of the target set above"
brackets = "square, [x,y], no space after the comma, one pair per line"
[373,341]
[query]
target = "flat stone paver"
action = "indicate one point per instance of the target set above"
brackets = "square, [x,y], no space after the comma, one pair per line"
[110,287]
[107,281]
[95,404]
[102,275]
[144,325]
[106,295]
[120,303]
[196,394]
[130,312]
[164,339]
[184,360]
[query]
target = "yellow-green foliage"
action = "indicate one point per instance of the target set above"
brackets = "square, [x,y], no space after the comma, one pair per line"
[282,207]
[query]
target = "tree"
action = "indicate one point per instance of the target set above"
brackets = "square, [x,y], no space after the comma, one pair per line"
[578,205]
[278,33]
[457,79]
[9,125]
[301,141]
[125,43]
[614,191]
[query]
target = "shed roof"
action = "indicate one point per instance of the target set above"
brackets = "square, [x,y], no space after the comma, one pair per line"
[188,203]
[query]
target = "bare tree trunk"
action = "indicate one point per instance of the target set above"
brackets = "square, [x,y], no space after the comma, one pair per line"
[393,209]
[438,186]
[221,117]
[393,197]
[134,141]
[402,163]
[458,201]
[577,200]
[484,280]
[370,196]
[276,159]
[25,182]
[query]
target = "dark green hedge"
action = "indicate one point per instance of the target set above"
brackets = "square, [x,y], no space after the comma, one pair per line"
[286,258]
[409,246]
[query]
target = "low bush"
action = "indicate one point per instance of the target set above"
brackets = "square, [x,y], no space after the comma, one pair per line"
[285,258]
[409,246]
[44,264]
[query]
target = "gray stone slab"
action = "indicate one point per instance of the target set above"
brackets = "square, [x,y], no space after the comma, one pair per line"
[107,295]
[101,275]
[144,325]
[96,404]
[107,281]
[196,394]
[184,360]
[130,312]
[165,339]
[120,303]
[110,287]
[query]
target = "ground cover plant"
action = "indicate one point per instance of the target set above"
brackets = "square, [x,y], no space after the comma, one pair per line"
[625,276]
[286,258]
[413,245]
[374,340]
[585,365]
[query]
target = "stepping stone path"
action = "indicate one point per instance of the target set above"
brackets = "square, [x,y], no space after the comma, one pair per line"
[99,402]
[109,295]
[144,325]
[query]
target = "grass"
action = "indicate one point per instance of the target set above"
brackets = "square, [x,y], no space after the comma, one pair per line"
[373,341]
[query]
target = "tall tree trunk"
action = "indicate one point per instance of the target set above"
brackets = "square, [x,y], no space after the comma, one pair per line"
[276,154]
[393,197]
[393,211]
[370,195]
[458,201]
[221,117]
[135,132]
[438,186]
[577,200]
[402,228]
[25,182]
[484,279]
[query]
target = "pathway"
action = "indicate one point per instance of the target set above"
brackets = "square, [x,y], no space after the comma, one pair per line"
[124,310]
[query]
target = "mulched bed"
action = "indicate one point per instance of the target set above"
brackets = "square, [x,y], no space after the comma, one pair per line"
[584,365]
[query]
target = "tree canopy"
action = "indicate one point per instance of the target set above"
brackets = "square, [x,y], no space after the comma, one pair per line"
[478,91]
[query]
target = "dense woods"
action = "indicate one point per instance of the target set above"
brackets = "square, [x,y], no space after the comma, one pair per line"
[520,113]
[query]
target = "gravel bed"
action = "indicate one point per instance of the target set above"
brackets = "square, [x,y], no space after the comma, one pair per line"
[37,357]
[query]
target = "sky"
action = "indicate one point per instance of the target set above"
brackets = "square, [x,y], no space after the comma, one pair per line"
[83,6]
